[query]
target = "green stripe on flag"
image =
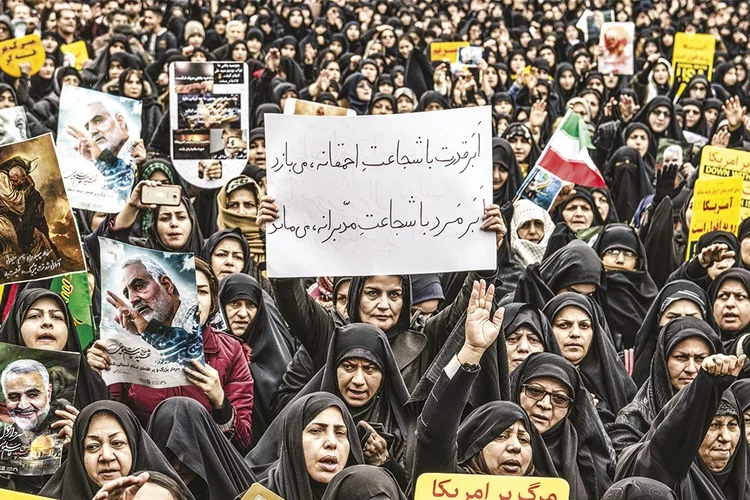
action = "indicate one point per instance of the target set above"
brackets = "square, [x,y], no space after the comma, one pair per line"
[574,126]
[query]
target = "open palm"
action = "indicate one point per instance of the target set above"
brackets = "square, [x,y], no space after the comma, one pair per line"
[481,329]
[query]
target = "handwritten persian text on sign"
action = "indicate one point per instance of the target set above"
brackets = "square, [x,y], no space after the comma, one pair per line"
[480,487]
[446,51]
[716,207]
[378,194]
[16,51]
[717,163]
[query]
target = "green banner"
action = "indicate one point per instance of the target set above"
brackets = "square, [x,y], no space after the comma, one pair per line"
[74,289]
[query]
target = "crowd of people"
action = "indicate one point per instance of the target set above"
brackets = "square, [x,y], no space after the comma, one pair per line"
[595,351]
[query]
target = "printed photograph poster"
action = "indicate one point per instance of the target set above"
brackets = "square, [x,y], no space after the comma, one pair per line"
[209,113]
[12,125]
[74,290]
[540,187]
[149,315]
[35,383]
[617,41]
[38,235]
[95,135]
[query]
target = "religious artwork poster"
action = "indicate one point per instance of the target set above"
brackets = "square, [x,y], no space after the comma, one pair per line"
[96,133]
[38,234]
[209,113]
[12,125]
[540,187]
[35,383]
[617,41]
[149,318]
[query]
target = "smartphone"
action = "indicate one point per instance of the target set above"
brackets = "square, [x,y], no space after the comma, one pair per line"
[168,194]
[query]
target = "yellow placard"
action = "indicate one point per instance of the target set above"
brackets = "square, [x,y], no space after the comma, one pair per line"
[717,163]
[446,51]
[259,492]
[27,49]
[480,487]
[78,50]
[716,207]
[692,54]
[12,495]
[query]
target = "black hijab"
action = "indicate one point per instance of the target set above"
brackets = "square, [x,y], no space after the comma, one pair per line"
[627,175]
[639,488]
[602,370]
[582,193]
[741,390]
[564,95]
[269,339]
[578,445]
[673,131]
[355,293]
[646,338]
[650,158]
[502,154]
[184,428]
[210,244]
[90,386]
[363,482]
[612,216]
[631,291]
[288,476]
[742,275]
[194,243]
[72,481]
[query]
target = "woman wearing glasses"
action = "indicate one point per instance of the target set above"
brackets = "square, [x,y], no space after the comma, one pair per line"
[551,391]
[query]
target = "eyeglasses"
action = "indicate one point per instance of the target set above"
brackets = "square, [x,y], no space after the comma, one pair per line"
[664,113]
[537,394]
[625,253]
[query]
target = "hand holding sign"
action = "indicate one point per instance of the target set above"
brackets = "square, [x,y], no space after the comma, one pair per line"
[127,317]
[65,424]
[206,378]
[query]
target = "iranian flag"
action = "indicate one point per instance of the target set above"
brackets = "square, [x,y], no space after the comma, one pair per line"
[567,156]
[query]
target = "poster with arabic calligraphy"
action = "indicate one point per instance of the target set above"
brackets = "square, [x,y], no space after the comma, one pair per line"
[480,487]
[149,315]
[210,117]
[35,383]
[717,163]
[372,195]
[716,207]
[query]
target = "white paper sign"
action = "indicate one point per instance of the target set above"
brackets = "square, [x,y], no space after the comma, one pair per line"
[367,195]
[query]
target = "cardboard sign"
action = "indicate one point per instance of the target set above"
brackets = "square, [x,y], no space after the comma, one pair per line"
[716,207]
[446,51]
[482,487]
[693,54]
[27,49]
[260,492]
[78,50]
[723,162]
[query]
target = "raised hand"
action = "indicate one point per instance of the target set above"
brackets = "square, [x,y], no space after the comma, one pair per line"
[720,365]
[665,178]
[127,317]
[714,253]
[268,211]
[734,112]
[493,222]
[481,329]
[85,145]
[375,449]
[124,488]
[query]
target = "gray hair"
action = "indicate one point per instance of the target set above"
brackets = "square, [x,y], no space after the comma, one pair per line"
[24,367]
[674,148]
[152,267]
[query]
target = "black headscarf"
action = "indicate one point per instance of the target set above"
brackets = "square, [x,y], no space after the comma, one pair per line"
[612,216]
[741,390]
[210,244]
[582,193]
[742,233]
[194,242]
[673,131]
[502,154]
[486,423]
[72,481]
[268,336]
[90,386]
[650,158]
[630,292]
[184,427]
[730,339]
[628,178]
[288,477]
[639,488]
[363,482]
[603,373]
[564,95]
[578,445]
[355,293]
[645,339]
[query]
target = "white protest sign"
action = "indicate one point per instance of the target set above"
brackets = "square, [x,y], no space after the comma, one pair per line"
[367,195]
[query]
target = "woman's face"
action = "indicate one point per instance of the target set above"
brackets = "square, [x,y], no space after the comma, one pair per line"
[596,84]
[547,404]
[574,332]
[567,80]
[531,230]
[611,81]
[698,91]
[679,309]
[659,119]
[256,153]
[296,19]
[602,204]
[521,148]
[405,47]
[358,381]
[386,88]
[692,115]
[7,100]
[106,450]
[239,53]
[352,33]
[499,176]
[133,86]
[227,258]
[364,90]
[638,140]
[620,259]
[115,70]
[685,360]
[334,71]
[578,214]
[174,226]
[504,107]
[116,47]
[382,107]
[47,70]
[381,301]
[49,44]
[44,326]
[242,202]
[325,444]
[593,103]
[204,296]
[520,344]
[405,104]
[661,74]
[517,63]
[720,442]
[198,56]
[730,77]
[240,314]
[510,453]
[254,45]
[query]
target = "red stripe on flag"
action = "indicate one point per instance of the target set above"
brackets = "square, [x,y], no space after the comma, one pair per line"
[574,171]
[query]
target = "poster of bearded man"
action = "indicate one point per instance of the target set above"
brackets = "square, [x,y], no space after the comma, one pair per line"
[35,385]
[616,48]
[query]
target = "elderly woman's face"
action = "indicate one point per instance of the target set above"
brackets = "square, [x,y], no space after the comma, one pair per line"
[546,401]
[510,453]
[358,381]
[325,445]
[106,450]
